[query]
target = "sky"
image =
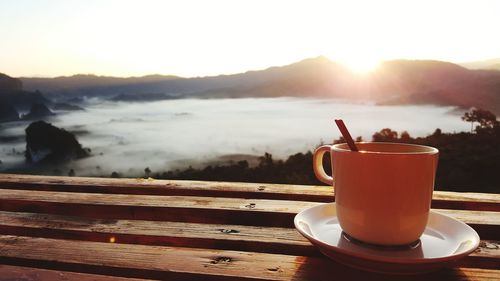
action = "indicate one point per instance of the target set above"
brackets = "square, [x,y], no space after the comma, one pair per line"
[47,38]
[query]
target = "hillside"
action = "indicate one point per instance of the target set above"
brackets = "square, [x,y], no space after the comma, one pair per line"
[312,76]
[89,80]
[492,64]
[394,82]
[434,82]
[13,98]
[9,85]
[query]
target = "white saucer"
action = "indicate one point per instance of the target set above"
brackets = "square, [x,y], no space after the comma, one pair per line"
[444,241]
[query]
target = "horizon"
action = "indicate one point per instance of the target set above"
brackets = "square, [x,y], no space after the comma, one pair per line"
[199,39]
[243,71]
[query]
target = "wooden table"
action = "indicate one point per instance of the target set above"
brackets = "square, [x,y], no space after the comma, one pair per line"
[61,228]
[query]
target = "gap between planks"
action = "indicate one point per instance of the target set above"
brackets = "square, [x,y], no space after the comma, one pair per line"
[158,262]
[262,212]
[225,237]
[442,199]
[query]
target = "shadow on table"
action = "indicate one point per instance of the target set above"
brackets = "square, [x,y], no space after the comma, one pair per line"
[313,268]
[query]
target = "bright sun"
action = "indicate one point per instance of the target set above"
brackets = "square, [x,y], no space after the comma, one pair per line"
[361,65]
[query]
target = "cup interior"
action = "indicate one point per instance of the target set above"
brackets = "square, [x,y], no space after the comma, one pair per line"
[387,148]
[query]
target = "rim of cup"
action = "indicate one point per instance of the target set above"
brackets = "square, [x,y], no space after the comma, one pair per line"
[404,148]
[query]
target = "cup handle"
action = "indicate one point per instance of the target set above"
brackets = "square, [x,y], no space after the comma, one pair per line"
[318,168]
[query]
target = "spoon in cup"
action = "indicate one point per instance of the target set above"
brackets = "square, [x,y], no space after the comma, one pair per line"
[345,133]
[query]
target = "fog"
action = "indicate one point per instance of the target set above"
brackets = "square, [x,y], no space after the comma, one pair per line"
[164,135]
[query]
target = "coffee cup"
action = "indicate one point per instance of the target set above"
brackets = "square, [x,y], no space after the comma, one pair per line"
[383,192]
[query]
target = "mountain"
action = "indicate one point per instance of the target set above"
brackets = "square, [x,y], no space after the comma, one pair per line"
[46,143]
[314,76]
[23,100]
[318,77]
[38,111]
[14,99]
[436,82]
[394,82]
[483,64]
[88,82]
[9,85]
[8,112]
[67,87]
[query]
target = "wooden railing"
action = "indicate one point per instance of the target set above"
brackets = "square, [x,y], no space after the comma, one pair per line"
[60,228]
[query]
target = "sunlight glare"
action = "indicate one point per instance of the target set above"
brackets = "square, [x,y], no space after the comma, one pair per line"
[361,65]
[225,37]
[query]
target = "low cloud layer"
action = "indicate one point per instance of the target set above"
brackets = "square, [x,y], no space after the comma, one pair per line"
[163,135]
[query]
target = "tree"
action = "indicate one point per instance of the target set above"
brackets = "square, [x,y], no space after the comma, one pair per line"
[385,135]
[485,118]
[405,136]
[147,172]
[437,133]
[266,160]
[342,140]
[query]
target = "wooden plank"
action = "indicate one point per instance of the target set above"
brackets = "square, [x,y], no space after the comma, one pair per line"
[168,187]
[487,255]
[194,235]
[225,237]
[466,201]
[473,274]
[442,199]
[261,212]
[157,262]
[19,273]
[487,224]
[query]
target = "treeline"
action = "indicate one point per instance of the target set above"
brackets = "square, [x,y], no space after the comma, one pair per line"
[468,161]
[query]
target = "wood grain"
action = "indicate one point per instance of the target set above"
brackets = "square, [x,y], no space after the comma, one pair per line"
[192,235]
[486,256]
[19,273]
[442,199]
[157,262]
[168,187]
[259,212]
[197,235]
[193,230]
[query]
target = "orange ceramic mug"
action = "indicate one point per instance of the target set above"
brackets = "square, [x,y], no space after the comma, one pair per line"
[383,192]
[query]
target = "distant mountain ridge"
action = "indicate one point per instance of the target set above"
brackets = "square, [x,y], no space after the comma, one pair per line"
[435,82]
[9,85]
[491,64]
[394,82]
[14,99]
[90,80]
[307,71]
